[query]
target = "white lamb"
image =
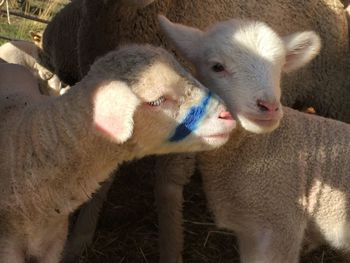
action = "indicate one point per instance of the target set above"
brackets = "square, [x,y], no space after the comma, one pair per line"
[28,54]
[134,101]
[268,188]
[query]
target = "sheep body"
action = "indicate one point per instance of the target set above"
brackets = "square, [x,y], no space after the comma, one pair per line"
[50,163]
[270,188]
[274,190]
[27,54]
[280,178]
[85,30]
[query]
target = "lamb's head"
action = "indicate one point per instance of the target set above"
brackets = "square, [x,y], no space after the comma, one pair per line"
[243,61]
[148,99]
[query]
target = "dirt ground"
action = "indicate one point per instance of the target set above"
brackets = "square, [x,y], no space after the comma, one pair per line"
[127,230]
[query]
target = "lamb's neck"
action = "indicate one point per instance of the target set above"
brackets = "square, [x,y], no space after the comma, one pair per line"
[64,156]
[63,127]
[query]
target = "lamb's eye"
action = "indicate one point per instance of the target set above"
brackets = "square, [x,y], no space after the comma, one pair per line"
[218,67]
[157,102]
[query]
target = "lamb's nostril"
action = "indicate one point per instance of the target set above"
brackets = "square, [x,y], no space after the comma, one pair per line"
[267,106]
[226,115]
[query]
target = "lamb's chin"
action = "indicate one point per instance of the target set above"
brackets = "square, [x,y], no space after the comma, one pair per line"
[258,126]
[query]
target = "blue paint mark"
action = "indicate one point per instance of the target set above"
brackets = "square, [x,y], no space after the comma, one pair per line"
[190,123]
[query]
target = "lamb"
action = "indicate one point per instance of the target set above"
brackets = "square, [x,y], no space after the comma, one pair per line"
[275,191]
[269,188]
[84,30]
[27,54]
[51,162]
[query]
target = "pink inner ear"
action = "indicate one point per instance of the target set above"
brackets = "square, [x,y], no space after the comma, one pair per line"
[114,107]
[291,61]
[110,115]
[290,57]
[109,126]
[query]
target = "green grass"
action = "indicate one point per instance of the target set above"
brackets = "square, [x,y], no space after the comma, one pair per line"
[20,27]
[12,30]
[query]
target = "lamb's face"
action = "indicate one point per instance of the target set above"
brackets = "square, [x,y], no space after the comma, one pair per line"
[242,62]
[143,96]
[177,113]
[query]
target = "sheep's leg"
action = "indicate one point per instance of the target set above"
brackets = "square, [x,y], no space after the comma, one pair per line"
[54,253]
[52,246]
[10,252]
[172,173]
[85,225]
[271,246]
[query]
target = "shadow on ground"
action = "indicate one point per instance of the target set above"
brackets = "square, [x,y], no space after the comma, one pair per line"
[127,230]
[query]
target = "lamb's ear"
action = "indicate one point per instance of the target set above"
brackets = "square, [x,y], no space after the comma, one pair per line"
[114,107]
[301,48]
[184,38]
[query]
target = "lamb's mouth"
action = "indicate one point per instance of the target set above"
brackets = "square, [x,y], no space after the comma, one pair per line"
[217,140]
[218,136]
[264,120]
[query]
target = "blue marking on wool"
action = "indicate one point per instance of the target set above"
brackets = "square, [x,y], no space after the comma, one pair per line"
[192,119]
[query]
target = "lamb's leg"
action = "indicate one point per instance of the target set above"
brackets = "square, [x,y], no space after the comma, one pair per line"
[172,173]
[271,245]
[10,252]
[85,226]
[54,253]
[54,249]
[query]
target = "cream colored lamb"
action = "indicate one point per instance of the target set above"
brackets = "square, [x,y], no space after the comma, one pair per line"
[85,30]
[27,54]
[268,188]
[134,101]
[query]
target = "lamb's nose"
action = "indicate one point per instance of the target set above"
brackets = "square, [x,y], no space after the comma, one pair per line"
[267,106]
[226,115]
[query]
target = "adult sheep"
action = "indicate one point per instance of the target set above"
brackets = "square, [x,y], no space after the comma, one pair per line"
[271,188]
[84,30]
[134,101]
[61,35]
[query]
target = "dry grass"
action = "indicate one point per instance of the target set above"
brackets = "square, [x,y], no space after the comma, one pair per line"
[45,11]
[128,228]
[20,28]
